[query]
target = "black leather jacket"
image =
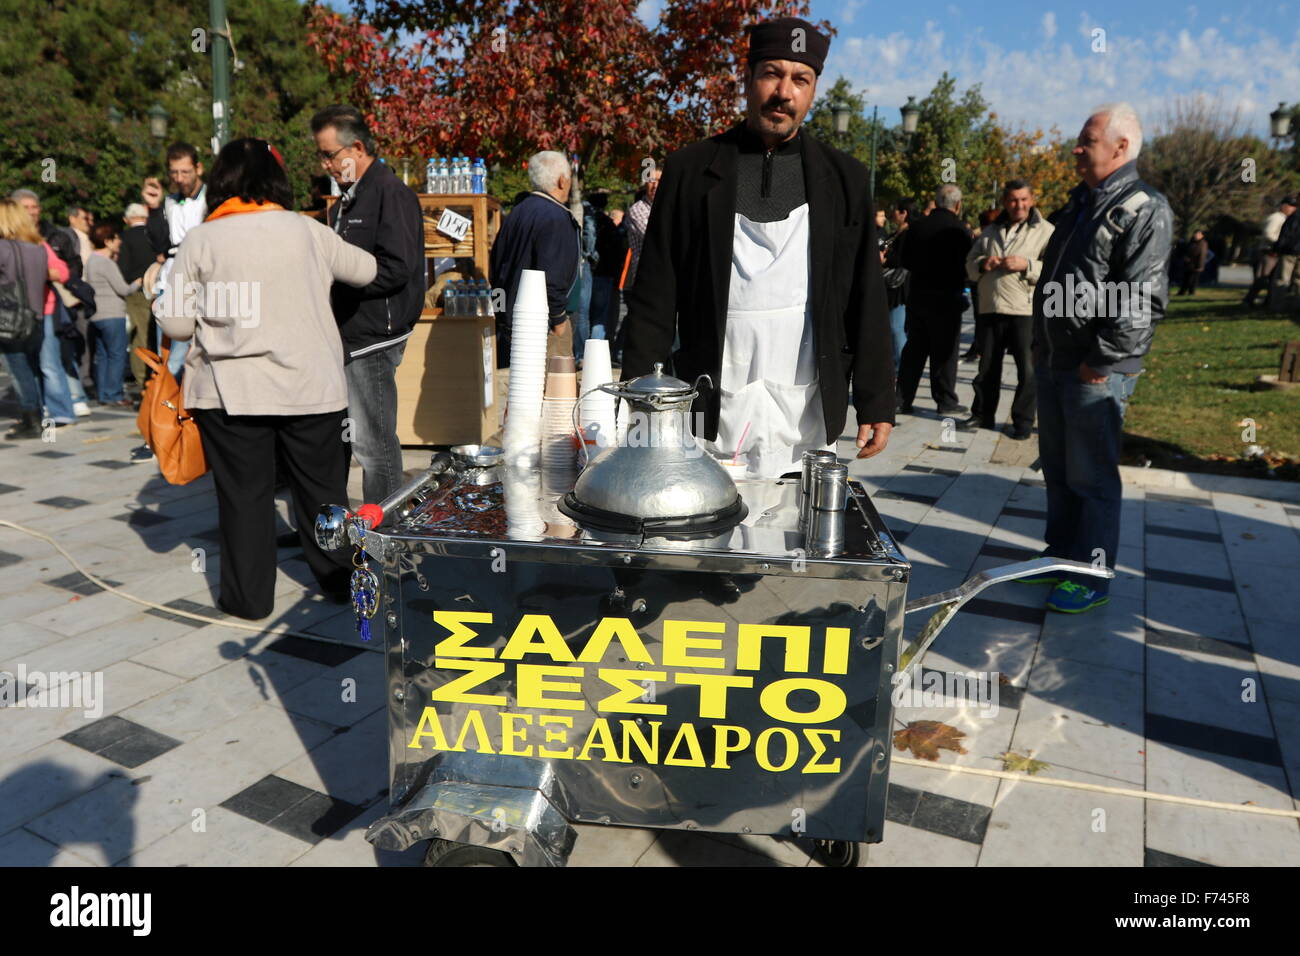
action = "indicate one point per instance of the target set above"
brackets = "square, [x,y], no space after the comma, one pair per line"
[1108,242]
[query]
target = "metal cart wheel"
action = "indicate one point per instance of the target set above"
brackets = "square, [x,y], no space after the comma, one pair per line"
[840,853]
[447,853]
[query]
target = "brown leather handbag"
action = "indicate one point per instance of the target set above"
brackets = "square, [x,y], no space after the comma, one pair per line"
[172,435]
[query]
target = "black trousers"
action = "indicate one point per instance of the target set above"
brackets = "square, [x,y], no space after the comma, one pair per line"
[933,328]
[1002,334]
[241,451]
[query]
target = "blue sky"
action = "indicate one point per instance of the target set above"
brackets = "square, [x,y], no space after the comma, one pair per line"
[1036,64]
[1036,61]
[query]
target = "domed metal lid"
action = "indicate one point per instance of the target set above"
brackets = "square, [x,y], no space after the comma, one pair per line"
[659,384]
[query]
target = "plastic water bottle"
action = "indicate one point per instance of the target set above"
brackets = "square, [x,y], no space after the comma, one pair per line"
[484,298]
[480,174]
[464,175]
[430,175]
[450,302]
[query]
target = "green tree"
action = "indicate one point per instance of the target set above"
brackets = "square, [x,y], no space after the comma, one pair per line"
[65,63]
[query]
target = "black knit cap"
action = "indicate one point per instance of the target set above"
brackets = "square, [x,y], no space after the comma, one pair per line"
[789,38]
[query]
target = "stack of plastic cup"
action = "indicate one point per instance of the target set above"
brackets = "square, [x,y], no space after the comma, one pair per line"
[522,501]
[528,331]
[596,416]
[558,445]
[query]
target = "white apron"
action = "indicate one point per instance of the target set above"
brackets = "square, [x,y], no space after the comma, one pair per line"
[771,408]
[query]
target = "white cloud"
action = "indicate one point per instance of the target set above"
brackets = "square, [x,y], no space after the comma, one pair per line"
[848,12]
[1049,25]
[1056,83]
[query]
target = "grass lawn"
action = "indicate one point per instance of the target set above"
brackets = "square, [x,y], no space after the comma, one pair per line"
[1190,408]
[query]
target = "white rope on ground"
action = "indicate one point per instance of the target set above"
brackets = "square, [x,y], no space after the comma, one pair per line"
[1098,788]
[177,612]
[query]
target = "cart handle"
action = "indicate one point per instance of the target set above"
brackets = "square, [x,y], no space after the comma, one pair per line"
[950,602]
[336,527]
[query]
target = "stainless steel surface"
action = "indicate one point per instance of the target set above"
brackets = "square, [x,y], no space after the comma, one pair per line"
[570,676]
[519,517]
[656,470]
[830,482]
[482,456]
[950,602]
[524,814]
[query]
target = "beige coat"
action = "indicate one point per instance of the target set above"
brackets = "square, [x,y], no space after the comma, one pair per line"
[253,291]
[1002,291]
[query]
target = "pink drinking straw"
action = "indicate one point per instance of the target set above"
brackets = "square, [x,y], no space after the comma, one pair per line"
[740,444]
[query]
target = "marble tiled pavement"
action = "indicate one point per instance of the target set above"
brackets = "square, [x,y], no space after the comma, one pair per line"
[1188,683]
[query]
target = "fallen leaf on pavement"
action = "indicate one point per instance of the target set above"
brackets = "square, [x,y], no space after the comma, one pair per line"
[925,738]
[1014,761]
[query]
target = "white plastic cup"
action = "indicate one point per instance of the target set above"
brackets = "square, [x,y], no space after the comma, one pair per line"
[531,293]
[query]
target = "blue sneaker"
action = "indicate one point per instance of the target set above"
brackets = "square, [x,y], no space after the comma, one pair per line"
[1071,597]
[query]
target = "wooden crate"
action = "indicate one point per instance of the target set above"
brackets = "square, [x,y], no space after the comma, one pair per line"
[484,214]
[446,391]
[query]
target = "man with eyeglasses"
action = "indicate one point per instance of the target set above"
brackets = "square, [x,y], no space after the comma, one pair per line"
[171,216]
[380,214]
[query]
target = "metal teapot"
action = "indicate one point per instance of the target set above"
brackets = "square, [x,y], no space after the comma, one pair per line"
[656,478]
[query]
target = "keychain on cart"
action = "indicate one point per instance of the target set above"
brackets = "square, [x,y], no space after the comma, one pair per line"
[365,588]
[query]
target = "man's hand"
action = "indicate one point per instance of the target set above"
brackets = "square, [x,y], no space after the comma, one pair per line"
[561,328]
[991,263]
[1015,263]
[872,439]
[1090,376]
[152,193]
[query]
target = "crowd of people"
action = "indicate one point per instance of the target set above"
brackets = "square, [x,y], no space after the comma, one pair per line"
[752,262]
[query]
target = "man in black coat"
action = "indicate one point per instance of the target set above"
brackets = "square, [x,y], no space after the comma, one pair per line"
[935,256]
[764,214]
[380,214]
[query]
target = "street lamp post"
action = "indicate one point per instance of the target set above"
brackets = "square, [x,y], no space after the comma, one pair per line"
[911,114]
[1280,122]
[871,187]
[158,118]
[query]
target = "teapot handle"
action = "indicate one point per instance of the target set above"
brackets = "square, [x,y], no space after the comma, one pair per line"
[612,388]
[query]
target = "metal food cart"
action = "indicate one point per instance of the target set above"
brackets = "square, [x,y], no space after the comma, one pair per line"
[542,673]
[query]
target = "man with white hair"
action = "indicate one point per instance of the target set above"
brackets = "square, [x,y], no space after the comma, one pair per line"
[1103,285]
[135,258]
[540,233]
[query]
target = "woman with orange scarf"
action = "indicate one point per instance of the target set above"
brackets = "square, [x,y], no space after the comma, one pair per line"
[264,373]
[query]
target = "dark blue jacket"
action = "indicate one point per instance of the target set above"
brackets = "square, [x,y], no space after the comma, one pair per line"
[383,218]
[539,233]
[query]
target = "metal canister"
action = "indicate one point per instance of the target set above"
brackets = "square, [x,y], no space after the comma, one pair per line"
[830,486]
[825,529]
[811,459]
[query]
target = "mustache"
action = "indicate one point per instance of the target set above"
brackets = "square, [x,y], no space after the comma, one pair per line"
[778,106]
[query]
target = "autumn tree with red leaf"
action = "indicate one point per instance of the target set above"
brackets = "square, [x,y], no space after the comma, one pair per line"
[505,79]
